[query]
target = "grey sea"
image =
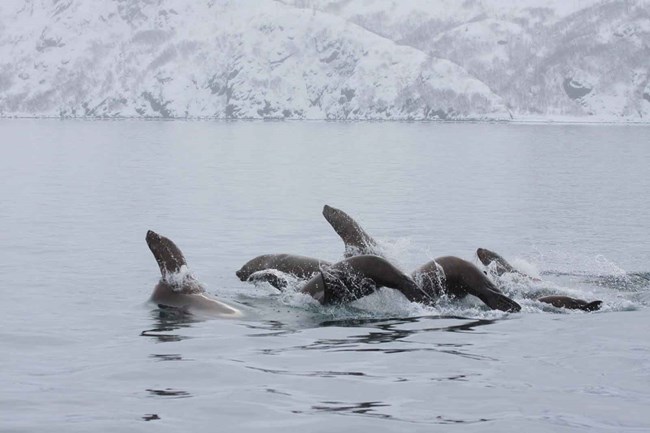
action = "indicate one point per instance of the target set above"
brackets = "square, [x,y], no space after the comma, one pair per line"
[83,350]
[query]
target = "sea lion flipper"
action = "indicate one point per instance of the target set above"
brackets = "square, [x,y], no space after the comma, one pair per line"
[356,240]
[269,276]
[169,257]
[497,301]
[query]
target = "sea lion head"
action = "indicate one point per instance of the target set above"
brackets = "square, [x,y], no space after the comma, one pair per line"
[486,256]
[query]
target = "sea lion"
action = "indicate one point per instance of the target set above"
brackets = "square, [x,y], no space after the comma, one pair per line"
[356,240]
[501,266]
[571,303]
[177,287]
[459,278]
[262,268]
[359,276]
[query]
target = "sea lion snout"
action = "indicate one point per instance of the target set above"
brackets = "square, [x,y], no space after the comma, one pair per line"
[240,274]
[483,256]
[152,236]
[153,242]
[328,212]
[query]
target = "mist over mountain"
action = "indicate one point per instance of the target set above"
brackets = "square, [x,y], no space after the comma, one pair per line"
[325,59]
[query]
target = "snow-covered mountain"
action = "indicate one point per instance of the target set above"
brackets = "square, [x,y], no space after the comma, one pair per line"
[326,59]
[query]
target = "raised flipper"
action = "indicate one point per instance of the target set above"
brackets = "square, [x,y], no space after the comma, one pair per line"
[571,303]
[273,277]
[172,264]
[169,257]
[356,240]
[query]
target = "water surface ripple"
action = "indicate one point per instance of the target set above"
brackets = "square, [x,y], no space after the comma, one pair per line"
[83,351]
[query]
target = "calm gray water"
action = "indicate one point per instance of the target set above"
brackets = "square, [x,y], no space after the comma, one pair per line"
[83,351]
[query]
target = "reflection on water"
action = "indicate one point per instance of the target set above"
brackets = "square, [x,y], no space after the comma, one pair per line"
[454,378]
[167,320]
[275,391]
[627,282]
[426,349]
[168,357]
[385,333]
[278,328]
[391,333]
[389,325]
[366,408]
[320,373]
[444,420]
[372,409]
[169,392]
[334,374]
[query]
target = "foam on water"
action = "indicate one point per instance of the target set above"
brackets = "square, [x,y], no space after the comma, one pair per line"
[579,264]
[388,303]
[574,281]
[395,250]
[525,267]
[383,303]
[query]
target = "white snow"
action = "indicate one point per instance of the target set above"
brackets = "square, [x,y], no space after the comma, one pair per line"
[325,59]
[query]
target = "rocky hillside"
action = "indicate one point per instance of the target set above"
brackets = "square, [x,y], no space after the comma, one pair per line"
[325,59]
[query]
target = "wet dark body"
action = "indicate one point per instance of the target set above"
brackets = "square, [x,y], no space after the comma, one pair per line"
[571,303]
[488,257]
[459,278]
[177,288]
[359,276]
[266,267]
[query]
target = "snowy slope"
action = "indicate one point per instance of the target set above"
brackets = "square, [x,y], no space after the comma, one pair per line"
[531,53]
[227,60]
[325,59]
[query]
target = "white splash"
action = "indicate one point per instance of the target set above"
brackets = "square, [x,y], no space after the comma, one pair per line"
[182,280]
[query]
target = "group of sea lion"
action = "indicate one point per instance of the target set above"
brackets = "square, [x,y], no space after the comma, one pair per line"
[363,270]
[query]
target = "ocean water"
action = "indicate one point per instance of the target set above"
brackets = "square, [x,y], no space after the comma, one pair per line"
[83,350]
